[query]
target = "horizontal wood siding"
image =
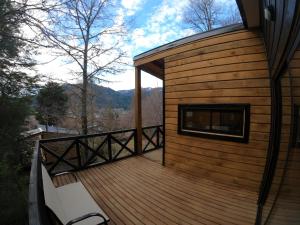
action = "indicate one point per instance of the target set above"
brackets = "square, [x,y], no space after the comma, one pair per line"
[229,68]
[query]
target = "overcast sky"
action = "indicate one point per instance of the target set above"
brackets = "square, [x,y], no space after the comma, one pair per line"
[156,22]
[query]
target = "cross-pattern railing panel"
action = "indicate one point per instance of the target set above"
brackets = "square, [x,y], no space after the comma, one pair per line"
[79,152]
[152,138]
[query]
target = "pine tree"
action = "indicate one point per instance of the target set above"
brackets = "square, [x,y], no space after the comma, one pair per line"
[15,89]
[51,104]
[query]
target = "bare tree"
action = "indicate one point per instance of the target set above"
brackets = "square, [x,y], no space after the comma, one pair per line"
[72,119]
[201,15]
[205,15]
[152,108]
[90,34]
[232,16]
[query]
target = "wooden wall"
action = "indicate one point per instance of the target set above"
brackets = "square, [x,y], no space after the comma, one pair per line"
[228,68]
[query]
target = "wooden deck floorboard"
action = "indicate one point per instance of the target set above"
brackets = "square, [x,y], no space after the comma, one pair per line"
[140,191]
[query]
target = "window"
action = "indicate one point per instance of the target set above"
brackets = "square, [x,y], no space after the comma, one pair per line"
[297,126]
[221,121]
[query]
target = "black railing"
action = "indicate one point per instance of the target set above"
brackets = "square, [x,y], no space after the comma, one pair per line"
[80,152]
[152,138]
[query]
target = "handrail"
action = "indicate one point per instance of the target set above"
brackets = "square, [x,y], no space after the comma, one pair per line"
[36,208]
[68,138]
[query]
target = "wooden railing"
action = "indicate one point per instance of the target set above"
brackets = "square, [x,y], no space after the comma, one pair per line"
[152,138]
[80,152]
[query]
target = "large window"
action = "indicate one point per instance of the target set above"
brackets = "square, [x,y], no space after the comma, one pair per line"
[297,126]
[222,121]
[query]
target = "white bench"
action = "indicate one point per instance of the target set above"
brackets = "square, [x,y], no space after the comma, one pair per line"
[71,203]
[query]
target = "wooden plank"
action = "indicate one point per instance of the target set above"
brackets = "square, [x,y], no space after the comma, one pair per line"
[210,151]
[162,195]
[259,101]
[254,148]
[138,191]
[195,169]
[246,66]
[219,56]
[237,92]
[216,62]
[228,84]
[222,76]
[198,44]
[233,45]
[168,201]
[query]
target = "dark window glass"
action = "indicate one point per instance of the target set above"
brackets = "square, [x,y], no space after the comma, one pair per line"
[196,120]
[222,121]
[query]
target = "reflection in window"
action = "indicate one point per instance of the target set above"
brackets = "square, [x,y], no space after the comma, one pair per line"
[297,126]
[215,121]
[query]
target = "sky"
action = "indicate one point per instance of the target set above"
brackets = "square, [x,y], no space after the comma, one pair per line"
[155,22]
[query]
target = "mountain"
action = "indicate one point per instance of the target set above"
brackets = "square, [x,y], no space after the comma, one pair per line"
[106,97]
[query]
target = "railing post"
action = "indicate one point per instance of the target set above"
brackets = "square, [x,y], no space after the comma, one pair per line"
[109,147]
[157,136]
[135,142]
[78,155]
[138,110]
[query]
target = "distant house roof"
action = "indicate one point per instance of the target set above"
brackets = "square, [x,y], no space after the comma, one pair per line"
[51,129]
[33,132]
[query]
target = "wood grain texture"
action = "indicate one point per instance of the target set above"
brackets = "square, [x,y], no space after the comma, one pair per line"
[139,191]
[231,68]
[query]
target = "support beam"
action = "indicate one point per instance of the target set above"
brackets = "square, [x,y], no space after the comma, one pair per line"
[153,69]
[138,110]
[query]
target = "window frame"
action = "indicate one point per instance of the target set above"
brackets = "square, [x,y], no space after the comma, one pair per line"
[245,108]
[296,143]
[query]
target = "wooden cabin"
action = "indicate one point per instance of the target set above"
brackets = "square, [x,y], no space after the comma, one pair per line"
[230,137]
[231,105]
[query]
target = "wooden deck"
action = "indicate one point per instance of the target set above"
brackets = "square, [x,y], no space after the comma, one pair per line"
[140,191]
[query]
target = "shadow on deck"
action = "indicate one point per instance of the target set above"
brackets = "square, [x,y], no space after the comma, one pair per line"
[141,191]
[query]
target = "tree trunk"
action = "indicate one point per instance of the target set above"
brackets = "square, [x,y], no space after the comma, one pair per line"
[84,104]
[84,121]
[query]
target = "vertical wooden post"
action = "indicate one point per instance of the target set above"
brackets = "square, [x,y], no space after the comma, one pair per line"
[110,156]
[138,110]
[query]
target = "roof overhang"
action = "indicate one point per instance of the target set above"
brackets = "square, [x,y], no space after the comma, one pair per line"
[152,61]
[187,40]
[250,12]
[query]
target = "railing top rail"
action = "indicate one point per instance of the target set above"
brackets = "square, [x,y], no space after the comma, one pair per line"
[154,126]
[69,138]
[36,209]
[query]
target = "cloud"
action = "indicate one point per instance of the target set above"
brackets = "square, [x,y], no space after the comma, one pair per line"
[163,26]
[131,6]
[160,26]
